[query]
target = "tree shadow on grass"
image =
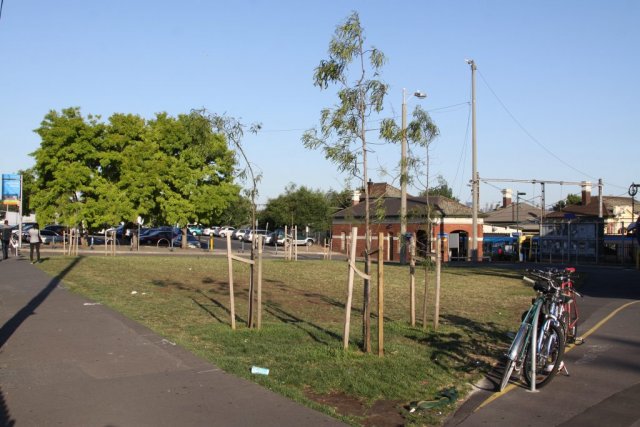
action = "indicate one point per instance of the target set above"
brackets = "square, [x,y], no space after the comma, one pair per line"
[312,329]
[222,287]
[475,346]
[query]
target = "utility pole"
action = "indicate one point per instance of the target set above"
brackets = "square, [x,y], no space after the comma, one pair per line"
[474,166]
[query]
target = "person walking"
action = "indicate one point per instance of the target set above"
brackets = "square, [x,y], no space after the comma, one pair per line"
[5,234]
[34,243]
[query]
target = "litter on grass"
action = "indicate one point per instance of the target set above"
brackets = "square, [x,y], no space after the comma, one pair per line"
[260,371]
[442,398]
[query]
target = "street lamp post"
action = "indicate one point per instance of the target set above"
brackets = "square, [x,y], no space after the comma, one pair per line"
[403,173]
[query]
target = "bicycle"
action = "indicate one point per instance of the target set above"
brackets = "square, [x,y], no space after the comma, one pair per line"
[550,341]
[569,313]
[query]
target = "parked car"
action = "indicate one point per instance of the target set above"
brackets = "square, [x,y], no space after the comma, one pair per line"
[195,229]
[192,241]
[159,236]
[57,228]
[278,238]
[226,230]
[303,240]
[50,237]
[275,238]
[239,233]
[211,231]
[249,235]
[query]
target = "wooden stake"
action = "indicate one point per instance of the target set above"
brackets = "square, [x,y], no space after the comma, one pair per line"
[426,292]
[250,319]
[259,290]
[412,280]
[381,245]
[436,318]
[232,304]
[352,260]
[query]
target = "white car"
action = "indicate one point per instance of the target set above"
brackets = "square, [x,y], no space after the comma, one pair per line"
[226,230]
[248,236]
[211,231]
[239,233]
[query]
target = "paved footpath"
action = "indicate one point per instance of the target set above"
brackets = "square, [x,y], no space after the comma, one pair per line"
[603,388]
[65,361]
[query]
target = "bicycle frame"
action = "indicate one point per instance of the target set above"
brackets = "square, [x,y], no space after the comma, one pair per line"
[539,340]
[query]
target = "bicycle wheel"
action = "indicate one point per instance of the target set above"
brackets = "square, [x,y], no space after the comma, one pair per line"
[508,370]
[548,359]
[513,354]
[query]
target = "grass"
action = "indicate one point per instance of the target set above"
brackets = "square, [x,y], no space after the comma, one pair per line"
[186,300]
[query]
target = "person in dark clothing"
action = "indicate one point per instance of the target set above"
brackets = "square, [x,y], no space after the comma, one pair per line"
[5,234]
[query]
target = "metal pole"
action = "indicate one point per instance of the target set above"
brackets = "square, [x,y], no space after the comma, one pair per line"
[474,166]
[534,348]
[539,257]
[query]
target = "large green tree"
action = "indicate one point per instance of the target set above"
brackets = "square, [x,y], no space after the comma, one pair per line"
[66,165]
[168,170]
[299,206]
[354,68]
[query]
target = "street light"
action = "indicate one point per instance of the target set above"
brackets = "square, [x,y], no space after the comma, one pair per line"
[403,172]
[518,194]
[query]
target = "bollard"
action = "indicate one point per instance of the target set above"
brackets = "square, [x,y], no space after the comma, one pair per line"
[210,242]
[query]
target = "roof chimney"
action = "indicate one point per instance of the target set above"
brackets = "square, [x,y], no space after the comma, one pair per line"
[356,197]
[506,197]
[586,192]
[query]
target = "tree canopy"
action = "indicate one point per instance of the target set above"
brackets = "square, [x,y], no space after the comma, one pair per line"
[442,189]
[303,207]
[572,199]
[168,170]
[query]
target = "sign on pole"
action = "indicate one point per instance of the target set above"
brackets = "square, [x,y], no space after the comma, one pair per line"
[11,189]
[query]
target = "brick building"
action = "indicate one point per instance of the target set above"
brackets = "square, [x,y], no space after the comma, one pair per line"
[451,219]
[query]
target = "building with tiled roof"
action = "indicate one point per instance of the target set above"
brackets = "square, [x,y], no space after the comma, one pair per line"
[449,218]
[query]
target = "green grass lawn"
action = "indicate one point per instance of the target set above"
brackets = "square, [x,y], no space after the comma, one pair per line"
[186,300]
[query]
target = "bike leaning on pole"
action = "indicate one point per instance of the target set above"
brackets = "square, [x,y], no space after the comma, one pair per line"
[540,362]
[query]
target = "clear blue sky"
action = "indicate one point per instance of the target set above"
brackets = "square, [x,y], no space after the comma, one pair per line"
[557,83]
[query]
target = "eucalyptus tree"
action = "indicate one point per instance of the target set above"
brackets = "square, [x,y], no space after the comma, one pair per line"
[354,68]
[233,130]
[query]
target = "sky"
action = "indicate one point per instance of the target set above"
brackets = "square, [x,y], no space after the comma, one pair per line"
[556,84]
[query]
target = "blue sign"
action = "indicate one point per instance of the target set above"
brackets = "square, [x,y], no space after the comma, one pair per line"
[10,189]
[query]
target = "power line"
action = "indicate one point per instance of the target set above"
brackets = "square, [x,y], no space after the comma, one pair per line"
[529,134]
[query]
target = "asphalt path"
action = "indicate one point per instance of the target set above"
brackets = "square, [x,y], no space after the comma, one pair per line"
[603,385]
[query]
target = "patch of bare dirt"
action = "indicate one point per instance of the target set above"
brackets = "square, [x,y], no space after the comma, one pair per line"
[383,413]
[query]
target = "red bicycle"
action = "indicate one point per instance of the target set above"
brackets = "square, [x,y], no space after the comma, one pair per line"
[569,314]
